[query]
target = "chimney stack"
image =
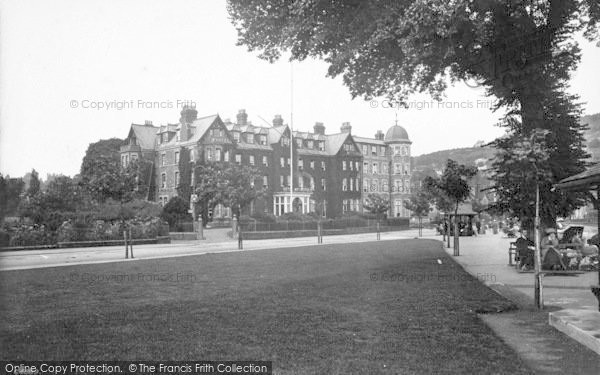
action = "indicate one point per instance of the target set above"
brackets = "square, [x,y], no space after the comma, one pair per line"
[379,135]
[277,121]
[242,117]
[148,122]
[319,128]
[346,128]
[188,114]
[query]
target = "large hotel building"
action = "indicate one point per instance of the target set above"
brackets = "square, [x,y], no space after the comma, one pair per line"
[333,173]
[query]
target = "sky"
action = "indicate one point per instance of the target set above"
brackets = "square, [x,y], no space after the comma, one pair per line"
[75,72]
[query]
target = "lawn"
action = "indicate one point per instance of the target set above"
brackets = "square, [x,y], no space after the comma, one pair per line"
[384,307]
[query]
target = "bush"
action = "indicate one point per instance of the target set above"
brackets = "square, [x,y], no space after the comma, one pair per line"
[264,217]
[176,210]
[28,235]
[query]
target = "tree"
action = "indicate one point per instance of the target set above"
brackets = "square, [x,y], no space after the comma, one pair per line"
[230,184]
[175,211]
[454,183]
[34,185]
[10,195]
[523,52]
[103,175]
[377,204]
[420,205]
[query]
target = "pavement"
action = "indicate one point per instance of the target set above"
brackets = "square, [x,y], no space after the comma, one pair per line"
[572,307]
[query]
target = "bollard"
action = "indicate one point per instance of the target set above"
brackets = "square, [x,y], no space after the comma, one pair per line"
[200,234]
[131,243]
[319,233]
[126,245]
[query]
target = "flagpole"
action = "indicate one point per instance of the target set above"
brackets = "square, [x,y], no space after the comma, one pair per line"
[291,136]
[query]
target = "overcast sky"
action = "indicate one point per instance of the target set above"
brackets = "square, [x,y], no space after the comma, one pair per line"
[58,59]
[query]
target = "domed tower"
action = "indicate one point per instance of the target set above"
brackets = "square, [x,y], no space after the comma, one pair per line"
[398,144]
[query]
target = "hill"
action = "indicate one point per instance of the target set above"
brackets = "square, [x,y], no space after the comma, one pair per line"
[592,135]
[468,156]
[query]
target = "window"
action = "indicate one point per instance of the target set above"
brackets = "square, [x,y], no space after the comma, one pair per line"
[375,168]
[300,164]
[251,158]
[265,182]
[344,184]
[250,138]
[384,168]
[281,182]
[323,165]
[236,136]
[123,161]
[192,178]
[366,167]
[238,158]
[312,164]
[163,159]
[163,180]
[365,149]
[321,146]
[218,154]
[351,184]
[310,144]
[176,157]
[384,186]
[350,164]
[289,161]
[282,162]
[263,140]
[406,168]
[366,185]
[299,142]
[348,147]
[265,161]
[285,141]
[397,168]
[226,156]
[344,165]
[403,150]
[134,157]
[210,153]
[323,184]
[398,186]
[176,178]
[357,184]
[398,207]
[381,151]
[357,166]
[374,150]
[407,186]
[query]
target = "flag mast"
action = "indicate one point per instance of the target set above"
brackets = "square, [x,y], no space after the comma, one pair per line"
[291,136]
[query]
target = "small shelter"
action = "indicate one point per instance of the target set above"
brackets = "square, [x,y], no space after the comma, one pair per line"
[588,182]
[465,220]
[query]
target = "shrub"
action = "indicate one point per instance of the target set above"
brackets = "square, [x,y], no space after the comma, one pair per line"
[27,235]
[176,210]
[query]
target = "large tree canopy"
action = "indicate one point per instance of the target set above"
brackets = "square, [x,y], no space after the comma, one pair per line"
[394,48]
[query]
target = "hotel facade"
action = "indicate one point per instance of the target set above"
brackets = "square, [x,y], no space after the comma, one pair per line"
[332,173]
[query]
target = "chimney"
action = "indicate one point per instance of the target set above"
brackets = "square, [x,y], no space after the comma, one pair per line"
[346,128]
[242,117]
[148,122]
[188,114]
[379,135]
[319,128]
[277,121]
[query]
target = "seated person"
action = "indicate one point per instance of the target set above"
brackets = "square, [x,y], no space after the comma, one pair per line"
[551,258]
[525,251]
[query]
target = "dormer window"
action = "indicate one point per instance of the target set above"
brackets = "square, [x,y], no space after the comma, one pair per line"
[285,141]
[310,144]
[263,140]
[321,146]
[299,142]
[250,138]
[236,136]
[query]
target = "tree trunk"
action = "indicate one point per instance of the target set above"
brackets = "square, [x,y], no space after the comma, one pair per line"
[456,245]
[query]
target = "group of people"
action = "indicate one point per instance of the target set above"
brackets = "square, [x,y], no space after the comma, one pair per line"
[551,255]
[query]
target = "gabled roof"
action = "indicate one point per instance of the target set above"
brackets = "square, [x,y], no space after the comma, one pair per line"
[334,142]
[275,133]
[201,125]
[584,181]
[145,135]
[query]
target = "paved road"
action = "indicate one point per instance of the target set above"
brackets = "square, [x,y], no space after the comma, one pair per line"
[215,242]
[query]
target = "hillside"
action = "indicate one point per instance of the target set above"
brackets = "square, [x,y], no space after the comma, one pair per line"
[468,156]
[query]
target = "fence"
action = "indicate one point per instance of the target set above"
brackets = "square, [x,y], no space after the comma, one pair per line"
[296,225]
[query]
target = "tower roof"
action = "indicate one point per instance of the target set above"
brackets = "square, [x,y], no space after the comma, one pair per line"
[396,133]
